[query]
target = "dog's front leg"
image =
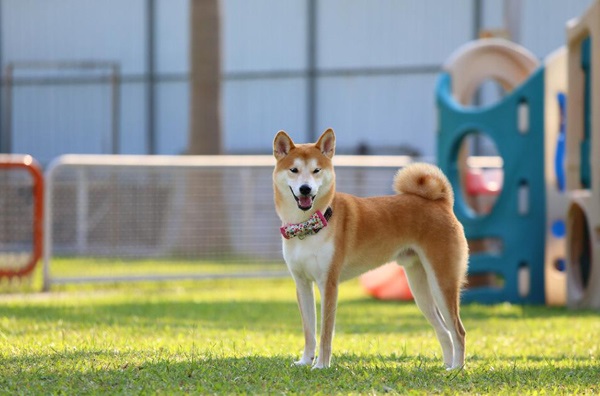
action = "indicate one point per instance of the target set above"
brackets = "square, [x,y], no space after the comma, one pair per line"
[306,303]
[329,296]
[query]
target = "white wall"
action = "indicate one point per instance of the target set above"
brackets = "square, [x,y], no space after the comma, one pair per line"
[389,108]
[262,37]
[55,119]
[543,24]
[172,61]
[364,89]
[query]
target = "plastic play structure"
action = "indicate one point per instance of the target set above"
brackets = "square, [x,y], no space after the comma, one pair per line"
[517,242]
[556,200]
[583,161]
[538,239]
[515,124]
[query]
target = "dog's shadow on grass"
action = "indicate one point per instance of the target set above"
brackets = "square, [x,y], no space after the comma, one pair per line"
[475,311]
[108,371]
[263,316]
[357,316]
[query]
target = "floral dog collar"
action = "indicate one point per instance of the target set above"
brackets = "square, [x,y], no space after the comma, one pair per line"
[310,227]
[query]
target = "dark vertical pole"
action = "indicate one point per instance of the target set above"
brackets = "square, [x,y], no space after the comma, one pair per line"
[311,70]
[115,84]
[477,18]
[150,77]
[476,149]
[512,19]
[7,119]
[2,87]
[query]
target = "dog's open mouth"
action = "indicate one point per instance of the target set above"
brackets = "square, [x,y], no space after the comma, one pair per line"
[305,202]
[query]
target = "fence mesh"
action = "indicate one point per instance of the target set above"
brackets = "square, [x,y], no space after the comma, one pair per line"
[16,219]
[113,219]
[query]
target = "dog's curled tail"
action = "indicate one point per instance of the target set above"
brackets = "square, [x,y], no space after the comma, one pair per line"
[424,180]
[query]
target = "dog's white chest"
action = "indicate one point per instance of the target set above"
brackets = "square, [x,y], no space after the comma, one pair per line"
[309,257]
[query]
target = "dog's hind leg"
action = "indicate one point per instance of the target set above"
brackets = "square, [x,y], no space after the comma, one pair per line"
[419,286]
[445,282]
[306,303]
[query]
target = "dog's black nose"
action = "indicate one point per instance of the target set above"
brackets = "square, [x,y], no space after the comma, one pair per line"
[305,189]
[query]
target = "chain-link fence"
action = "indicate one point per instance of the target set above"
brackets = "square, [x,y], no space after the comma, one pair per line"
[159,217]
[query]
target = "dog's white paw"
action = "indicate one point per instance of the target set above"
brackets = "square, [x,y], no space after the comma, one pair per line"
[303,362]
[319,366]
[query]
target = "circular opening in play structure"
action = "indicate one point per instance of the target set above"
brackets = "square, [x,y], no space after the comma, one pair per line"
[489,92]
[481,172]
[580,248]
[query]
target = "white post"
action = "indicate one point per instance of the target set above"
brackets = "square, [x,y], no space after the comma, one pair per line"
[49,182]
[82,210]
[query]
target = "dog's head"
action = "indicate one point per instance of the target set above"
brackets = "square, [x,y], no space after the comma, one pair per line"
[304,175]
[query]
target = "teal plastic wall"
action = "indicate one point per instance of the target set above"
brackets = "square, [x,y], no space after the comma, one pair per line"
[522,235]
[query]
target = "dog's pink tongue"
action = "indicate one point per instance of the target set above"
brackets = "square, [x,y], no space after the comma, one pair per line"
[305,202]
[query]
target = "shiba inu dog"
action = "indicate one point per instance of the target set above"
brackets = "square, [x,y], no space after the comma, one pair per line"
[329,237]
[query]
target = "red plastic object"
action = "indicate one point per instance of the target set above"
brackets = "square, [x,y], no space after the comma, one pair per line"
[27,162]
[387,282]
[484,182]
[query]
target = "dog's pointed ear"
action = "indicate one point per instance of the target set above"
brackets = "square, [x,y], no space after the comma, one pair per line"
[282,145]
[326,143]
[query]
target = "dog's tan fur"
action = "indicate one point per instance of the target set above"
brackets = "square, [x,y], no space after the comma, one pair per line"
[364,233]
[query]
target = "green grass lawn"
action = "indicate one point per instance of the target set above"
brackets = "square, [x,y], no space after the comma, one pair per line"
[241,336]
[73,267]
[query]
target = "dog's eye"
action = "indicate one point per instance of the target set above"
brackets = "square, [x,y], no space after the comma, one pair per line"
[317,170]
[294,170]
